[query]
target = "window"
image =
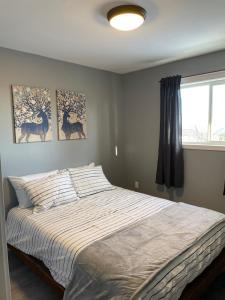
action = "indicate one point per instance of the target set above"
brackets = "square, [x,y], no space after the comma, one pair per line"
[203,113]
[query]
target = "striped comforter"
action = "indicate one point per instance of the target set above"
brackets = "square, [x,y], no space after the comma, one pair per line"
[60,236]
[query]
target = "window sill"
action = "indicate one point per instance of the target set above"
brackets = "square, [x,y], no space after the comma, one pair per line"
[204,147]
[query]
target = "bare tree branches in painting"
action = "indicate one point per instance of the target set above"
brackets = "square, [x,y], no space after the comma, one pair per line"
[72,119]
[32,114]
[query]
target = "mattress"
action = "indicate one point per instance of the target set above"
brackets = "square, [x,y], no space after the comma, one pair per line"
[59,236]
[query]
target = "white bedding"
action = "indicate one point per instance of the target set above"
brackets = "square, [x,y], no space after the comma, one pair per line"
[57,236]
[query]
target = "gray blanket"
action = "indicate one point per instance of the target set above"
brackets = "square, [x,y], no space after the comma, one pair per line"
[135,259]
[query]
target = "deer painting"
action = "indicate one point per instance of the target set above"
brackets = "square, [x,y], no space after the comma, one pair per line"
[70,128]
[35,128]
[32,113]
[72,119]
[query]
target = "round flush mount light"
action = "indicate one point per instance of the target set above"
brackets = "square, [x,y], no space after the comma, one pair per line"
[126,17]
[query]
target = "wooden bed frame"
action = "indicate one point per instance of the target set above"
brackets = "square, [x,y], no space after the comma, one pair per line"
[193,291]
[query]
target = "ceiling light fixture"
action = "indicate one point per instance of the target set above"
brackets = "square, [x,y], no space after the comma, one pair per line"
[126,17]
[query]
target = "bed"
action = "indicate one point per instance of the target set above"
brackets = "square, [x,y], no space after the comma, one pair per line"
[120,244]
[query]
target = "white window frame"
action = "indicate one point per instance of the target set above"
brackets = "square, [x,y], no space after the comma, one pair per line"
[209,79]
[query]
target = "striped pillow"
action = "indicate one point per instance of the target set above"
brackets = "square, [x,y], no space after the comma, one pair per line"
[88,181]
[18,185]
[50,192]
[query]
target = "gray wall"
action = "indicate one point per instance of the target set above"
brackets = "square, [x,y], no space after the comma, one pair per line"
[123,111]
[204,170]
[103,92]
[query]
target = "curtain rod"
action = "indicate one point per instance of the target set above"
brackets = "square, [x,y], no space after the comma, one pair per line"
[222,70]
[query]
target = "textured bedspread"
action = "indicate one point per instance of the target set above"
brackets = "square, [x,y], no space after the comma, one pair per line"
[58,235]
[120,244]
[150,259]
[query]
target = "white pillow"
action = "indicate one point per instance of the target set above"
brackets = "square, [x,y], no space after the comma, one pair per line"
[51,191]
[88,181]
[18,185]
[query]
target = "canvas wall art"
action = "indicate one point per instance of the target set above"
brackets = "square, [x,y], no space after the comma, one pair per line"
[32,114]
[72,117]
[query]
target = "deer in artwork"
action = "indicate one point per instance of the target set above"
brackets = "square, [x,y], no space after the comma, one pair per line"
[33,128]
[70,128]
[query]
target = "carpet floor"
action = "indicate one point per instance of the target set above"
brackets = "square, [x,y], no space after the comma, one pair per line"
[25,285]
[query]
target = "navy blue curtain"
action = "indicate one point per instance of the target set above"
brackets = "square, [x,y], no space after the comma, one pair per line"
[170,169]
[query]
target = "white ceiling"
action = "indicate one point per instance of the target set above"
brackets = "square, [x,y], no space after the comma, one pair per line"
[77,31]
